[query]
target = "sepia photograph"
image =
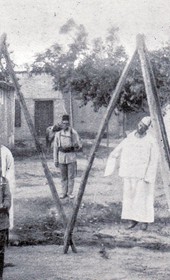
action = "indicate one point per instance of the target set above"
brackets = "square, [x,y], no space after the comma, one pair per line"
[85,140]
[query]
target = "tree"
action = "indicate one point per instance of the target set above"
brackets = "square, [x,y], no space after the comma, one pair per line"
[91,71]
[60,63]
[161,65]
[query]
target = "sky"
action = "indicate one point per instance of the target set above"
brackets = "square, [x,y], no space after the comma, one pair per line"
[33,25]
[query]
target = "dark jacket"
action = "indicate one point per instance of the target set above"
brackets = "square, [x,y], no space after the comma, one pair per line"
[5,203]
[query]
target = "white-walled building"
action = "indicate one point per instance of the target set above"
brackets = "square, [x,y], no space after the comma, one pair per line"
[44,104]
[46,107]
[7,114]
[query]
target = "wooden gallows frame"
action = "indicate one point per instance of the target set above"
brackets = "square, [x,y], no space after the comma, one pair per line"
[157,122]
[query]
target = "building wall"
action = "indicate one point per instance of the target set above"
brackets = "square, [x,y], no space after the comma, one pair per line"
[37,87]
[3,118]
[10,111]
[86,121]
[23,132]
[7,118]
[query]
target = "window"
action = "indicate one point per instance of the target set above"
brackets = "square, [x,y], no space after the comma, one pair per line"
[17,113]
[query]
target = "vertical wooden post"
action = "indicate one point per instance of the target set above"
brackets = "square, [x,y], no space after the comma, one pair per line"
[159,111]
[37,143]
[156,115]
[2,42]
[71,110]
[124,124]
[110,108]
[107,131]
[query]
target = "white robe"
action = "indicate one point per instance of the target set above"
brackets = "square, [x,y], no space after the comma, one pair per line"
[8,171]
[138,167]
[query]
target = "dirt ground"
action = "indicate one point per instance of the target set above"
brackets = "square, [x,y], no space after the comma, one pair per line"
[49,263]
[106,250]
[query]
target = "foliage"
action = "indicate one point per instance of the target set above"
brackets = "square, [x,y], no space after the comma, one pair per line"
[160,60]
[91,72]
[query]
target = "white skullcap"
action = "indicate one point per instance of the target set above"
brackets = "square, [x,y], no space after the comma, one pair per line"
[146,121]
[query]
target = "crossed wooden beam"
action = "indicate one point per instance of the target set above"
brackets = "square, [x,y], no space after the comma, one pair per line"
[157,122]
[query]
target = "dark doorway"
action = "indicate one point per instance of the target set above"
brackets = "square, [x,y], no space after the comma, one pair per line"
[43,116]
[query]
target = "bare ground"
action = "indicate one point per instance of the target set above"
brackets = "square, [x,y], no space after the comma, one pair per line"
[49,263]
[105,249]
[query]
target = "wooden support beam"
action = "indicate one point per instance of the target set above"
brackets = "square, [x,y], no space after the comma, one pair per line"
[110,108]
[37,143]
[156,115]
[2,42]
[159,111]
[71,109]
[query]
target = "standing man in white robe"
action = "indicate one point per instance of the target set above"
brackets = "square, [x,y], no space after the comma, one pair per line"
[138,166]
[8,171]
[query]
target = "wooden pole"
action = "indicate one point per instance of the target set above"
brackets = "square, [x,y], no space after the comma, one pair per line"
[2,42]
[37,143]
[110,108]
[159,111]
[71,110]
[124,124]
[156,115]
[107,132]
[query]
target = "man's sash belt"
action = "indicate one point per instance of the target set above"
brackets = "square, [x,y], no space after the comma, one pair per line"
[66,150]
